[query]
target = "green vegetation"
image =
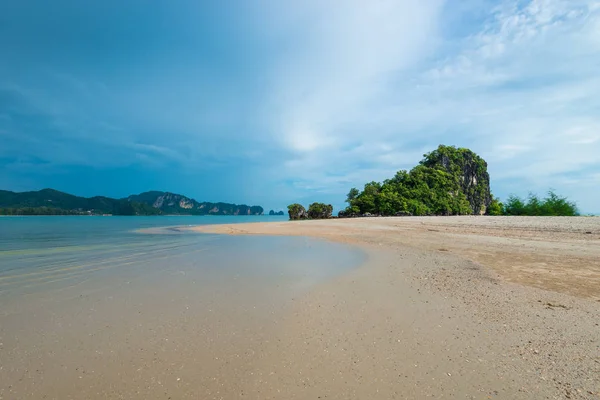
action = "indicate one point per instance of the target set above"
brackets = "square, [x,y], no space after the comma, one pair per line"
[448,181]
[320,211]
[37,211]
[315,211]
[53,202]
[552,205]
[297,211]
[468,170]
[495,207]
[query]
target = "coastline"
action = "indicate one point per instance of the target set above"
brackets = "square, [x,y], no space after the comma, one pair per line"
[444,307]
[554,253]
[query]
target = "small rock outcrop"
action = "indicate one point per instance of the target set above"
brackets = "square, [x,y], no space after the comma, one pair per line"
[347,214]
[315,211]
[297,211]
[320,211]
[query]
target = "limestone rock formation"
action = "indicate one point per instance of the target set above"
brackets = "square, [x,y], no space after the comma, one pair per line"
[297,211]
[171,203]
[320,211]
[469,169]
[447,181]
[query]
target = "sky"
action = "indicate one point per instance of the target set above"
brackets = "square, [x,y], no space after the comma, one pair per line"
[271,102]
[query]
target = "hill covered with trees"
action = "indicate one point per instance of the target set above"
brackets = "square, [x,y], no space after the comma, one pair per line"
[53,202]
[448,181]
[177,204]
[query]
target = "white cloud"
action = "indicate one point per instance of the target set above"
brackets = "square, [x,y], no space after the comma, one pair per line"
[341,55]
[521,88]
[328,94]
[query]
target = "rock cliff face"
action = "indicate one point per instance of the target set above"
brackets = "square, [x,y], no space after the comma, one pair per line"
[171,203]
[469,169]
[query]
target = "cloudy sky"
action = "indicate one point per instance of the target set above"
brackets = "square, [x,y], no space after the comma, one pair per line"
[269,102]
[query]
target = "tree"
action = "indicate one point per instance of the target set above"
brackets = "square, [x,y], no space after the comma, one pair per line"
[514,206]
[558,206]
[552,205]
[352,195]
[495,208]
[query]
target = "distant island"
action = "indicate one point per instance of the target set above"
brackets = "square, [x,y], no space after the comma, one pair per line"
[53,202]
[276,212]
[447,181]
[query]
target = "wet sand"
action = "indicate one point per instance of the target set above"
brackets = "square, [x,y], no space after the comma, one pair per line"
[180,317]
[454,307]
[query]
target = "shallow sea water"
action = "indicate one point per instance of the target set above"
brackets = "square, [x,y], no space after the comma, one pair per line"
[90,307]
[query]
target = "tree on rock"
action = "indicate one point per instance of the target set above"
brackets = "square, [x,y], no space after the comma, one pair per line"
[320,211]
[297,211]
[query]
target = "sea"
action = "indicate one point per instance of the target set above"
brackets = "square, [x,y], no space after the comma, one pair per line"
[116,307]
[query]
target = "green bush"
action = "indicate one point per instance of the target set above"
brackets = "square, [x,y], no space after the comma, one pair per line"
[552,205]
[495,208]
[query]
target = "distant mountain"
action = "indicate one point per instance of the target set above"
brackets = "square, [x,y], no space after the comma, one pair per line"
[171,203]
[276,212]
[53,202]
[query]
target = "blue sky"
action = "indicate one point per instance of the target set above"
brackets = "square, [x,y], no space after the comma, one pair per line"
[271,102]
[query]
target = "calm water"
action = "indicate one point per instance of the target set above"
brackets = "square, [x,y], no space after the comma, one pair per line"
[92,308]
[38,253]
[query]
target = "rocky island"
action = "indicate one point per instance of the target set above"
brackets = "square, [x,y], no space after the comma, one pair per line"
[447,181]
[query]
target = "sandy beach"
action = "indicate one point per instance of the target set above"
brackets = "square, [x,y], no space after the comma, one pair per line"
[381,308]
[445,307]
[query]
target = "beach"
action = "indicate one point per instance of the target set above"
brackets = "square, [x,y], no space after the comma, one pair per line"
[370,308]
[444,307]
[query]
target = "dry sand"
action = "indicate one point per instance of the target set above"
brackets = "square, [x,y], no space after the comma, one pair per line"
[449,307]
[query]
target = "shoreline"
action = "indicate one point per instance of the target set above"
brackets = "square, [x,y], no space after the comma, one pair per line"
[428,316]
[553,253]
